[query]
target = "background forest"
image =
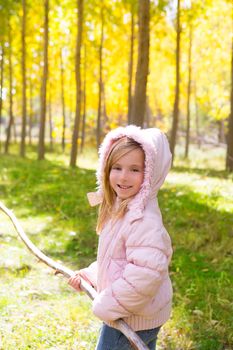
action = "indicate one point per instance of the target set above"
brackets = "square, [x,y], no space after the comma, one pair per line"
[69,72]
[74,67]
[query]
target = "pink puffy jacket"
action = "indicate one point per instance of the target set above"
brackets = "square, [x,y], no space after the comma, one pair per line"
[131,272]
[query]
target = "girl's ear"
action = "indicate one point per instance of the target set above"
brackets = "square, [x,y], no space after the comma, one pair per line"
[94,198]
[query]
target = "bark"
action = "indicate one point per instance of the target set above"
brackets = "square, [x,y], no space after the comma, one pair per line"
[177,89]
[50,119]
[139,100]
[24,98]
[229,155]
[11,119]
[71,100]
[98,129]
[131,60]
[148,114]
[198,136]
[14,131]
[30,113]
[74,149]
[187,139]
[41,146]
[105,115]
[1,89]
[63,103]
[221,131]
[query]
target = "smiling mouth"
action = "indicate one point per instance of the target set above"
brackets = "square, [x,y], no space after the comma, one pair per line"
[124,187]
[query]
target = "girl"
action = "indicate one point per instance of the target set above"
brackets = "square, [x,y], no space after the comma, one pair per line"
[134,252]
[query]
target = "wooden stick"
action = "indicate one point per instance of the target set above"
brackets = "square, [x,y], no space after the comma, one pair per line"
[122,326]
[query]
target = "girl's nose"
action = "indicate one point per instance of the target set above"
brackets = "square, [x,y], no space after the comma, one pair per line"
[124,174]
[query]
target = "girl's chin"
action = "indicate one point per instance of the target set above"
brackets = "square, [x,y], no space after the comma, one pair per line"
[123,197]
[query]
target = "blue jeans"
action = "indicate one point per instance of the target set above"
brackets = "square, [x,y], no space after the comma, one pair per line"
[112,339]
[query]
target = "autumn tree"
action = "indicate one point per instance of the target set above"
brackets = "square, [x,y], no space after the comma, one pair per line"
[50,117]
[175,119]
[11,116]
[131,60]
[62,103]
[100,98]
[24,87]
[41,146]
[229,156]
[34,67]
[7,11]
[2,54]
[74,149]
[189,87]
[109,86]
[139,99]
[30,111]
[84,100]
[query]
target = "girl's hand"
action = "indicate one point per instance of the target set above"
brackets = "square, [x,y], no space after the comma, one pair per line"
[75,280]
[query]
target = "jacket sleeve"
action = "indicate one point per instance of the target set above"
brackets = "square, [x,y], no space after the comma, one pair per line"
[147,252]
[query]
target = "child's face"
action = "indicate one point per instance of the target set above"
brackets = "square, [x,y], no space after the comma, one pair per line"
[127,174]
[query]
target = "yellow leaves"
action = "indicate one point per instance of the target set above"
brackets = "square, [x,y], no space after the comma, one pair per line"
[211,56]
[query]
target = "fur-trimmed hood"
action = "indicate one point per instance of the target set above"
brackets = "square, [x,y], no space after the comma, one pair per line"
[157,162]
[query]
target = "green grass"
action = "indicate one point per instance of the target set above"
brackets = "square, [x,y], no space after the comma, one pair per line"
[40,311]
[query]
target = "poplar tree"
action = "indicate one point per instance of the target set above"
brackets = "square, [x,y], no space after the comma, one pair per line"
[41,146]
[139,99]
[175,119]
[229,157]
[24,98]
[74,148]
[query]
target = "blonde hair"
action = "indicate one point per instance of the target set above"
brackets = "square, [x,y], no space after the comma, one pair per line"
[107,209]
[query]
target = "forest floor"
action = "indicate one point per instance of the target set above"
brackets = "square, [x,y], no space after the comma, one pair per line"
[40,311]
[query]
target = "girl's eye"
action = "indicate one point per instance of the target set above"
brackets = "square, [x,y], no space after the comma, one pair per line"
[116,168]
[136,170]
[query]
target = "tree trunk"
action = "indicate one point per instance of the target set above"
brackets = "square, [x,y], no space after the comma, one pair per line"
[71,101]
[41,146]
[198,136]
[98,129]
[30,113]
[130,70]
[50,119]
[187,139]
[24,97]
[1,89]
[148,114]
[139,100]
[14,131]
[74,149]
[84,100]
[221,131]
[11,119]
[177,90]
[105,115]
[229,155]
[63,103]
